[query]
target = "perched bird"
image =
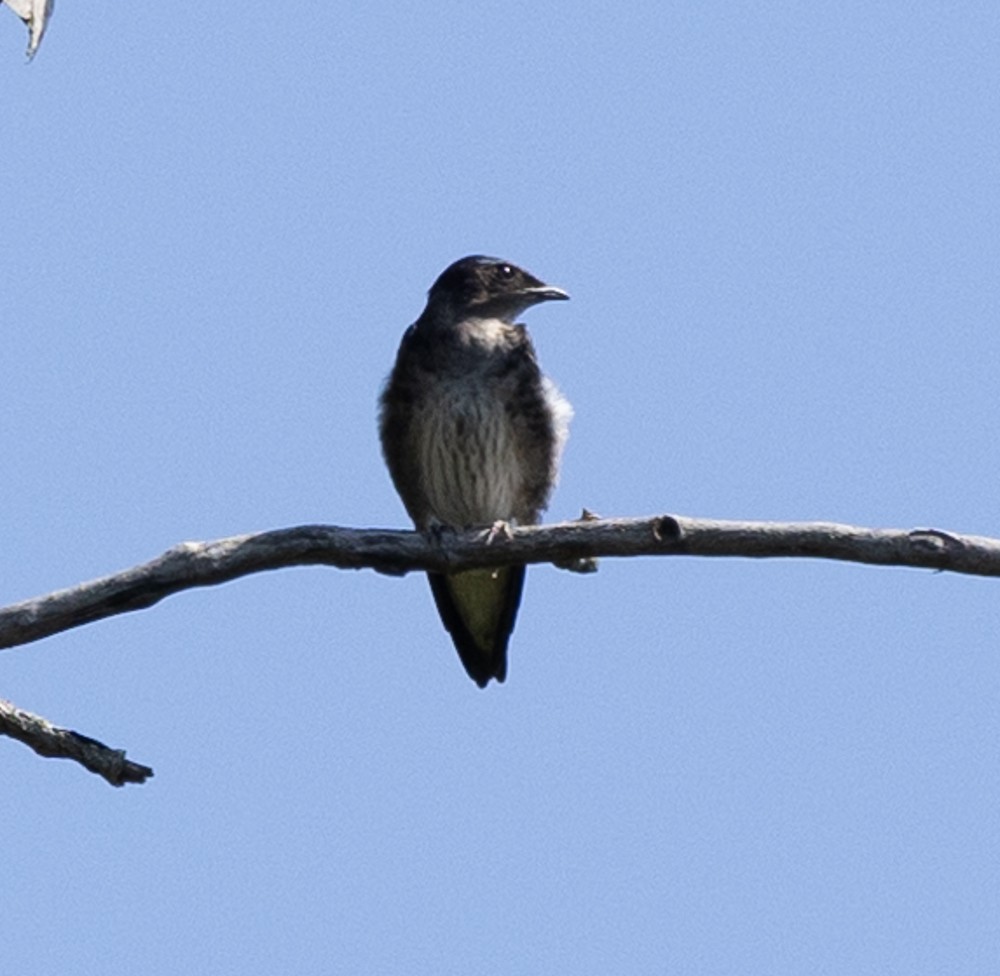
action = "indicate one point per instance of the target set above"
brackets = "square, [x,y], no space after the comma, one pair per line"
[472,433]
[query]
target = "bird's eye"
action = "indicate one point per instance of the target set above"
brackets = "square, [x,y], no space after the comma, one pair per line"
[506,271]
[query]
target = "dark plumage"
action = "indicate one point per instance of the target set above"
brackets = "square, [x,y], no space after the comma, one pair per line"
[472,433]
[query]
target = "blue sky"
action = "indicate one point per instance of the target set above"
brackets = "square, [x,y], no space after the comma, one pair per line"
[779,226]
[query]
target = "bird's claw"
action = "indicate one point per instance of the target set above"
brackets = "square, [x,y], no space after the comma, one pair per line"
[500,528]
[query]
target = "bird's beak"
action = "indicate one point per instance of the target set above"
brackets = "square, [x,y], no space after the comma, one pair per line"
[544,293]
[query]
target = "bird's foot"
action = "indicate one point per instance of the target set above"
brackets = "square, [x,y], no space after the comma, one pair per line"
[500,528]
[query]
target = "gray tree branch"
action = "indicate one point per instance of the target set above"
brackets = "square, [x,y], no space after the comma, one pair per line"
[571,545]
[53,742]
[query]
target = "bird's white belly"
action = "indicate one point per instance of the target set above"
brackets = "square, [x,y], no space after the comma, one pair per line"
[469,461]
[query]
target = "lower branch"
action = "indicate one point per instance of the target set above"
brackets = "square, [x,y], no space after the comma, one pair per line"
[53,742]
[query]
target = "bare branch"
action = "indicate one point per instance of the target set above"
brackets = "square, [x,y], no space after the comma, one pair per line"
[195,564]
[50,741]
[569,545]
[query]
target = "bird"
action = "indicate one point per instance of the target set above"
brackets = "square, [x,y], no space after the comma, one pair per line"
[472,433]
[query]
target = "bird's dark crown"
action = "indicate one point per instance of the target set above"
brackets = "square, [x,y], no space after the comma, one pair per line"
[489,286]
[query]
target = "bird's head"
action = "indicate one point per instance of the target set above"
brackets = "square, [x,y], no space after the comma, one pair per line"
[488,288]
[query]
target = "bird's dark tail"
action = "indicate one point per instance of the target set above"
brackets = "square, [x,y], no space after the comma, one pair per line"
[478,608]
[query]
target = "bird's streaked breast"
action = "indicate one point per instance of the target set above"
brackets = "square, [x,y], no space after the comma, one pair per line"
[469,460]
